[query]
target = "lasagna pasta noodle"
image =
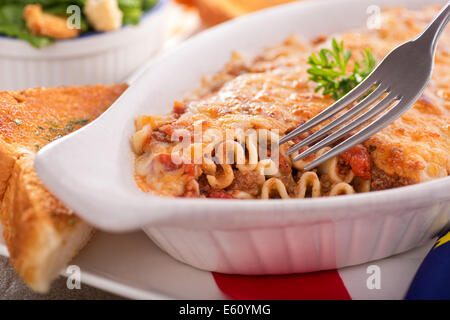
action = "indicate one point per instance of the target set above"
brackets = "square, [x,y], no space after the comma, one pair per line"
[242,195]
[223,180]
[361,185]
[267,167]
[139,138]
[274,184]
[252,149]
[300,164]
[308,180]
[331,169]
[211,138]
[207,163]
[264,137]
[341,188]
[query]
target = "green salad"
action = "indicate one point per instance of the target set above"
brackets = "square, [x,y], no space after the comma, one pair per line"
[13,23]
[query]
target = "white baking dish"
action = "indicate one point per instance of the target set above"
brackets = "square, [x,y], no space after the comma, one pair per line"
[91,171]
[107,57]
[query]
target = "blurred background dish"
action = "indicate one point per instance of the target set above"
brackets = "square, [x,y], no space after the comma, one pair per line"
[40,22]
[116,37]
[88,58]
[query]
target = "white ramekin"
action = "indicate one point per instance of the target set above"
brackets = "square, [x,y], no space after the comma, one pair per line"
[105,58]
[91,171]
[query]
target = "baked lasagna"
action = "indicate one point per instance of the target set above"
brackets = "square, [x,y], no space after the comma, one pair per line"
[221,140]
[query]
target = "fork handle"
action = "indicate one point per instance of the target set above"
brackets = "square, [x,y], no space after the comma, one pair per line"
[434,30]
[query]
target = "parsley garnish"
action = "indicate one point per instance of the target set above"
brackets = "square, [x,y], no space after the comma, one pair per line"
[79,121]
[69,126]
[329,69]
[52,123]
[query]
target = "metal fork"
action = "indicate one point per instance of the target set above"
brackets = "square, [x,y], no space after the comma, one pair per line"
[401,78]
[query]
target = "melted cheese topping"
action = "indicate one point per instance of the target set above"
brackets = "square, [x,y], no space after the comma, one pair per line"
[272,91]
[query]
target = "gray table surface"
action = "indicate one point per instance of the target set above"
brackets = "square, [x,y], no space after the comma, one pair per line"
[12,288]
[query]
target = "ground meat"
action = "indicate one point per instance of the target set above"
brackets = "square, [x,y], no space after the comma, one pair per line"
[203,184]
[343,167]
[325,184]
[176,132]
[289,183]
[159,136]
[286,175]
[285,168]
[155,138]
[247,181]
[381,180]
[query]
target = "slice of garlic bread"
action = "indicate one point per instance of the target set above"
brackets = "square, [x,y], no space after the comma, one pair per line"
[42,235]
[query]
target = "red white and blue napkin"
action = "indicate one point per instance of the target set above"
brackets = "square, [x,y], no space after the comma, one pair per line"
[416,274]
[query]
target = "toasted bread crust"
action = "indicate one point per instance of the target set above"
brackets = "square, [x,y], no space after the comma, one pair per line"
[42,235]
[40,232]
[7,160]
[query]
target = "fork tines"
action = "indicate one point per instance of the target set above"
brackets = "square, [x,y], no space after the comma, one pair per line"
[380,92]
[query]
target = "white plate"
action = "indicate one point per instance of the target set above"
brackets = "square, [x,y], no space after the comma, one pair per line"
[131,266]
[92,173]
